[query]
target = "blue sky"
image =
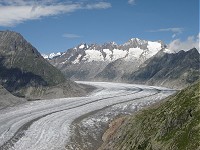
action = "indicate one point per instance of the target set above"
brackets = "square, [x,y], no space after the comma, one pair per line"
[56,25]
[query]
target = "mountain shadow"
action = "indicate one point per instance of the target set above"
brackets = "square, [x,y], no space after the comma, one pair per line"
[13,79]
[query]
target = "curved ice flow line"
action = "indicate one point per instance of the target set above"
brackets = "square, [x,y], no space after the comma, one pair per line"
[68,102]
[59,144]
[39,143]
[27,116]
[84,101]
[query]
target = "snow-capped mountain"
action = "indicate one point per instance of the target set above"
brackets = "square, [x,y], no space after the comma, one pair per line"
[174,70]
[52,55]
[134,49]
[85,62]
[137,60]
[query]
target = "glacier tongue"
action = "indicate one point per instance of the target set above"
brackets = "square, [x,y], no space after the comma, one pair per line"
[45,125]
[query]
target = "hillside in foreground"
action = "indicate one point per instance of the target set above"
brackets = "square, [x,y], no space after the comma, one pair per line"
[174,124]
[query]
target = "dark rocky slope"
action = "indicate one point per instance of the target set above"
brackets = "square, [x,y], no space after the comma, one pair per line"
[171,70]
[114,71]
[174,124]
[25,73]
[7,99]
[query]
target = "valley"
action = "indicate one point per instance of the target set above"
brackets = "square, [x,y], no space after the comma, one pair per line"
[46,124]
[136,61]
[43,108]
[99,75]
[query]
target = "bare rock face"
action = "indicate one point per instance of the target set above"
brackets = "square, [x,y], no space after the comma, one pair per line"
[7,99]
[16,52]
[176,70]
[25,73]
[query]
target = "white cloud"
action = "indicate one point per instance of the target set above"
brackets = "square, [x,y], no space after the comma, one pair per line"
[131,2]
[26,2]
[12,15]
[13,12]
[100,5]
[174,30]
[71,36]
[191,42]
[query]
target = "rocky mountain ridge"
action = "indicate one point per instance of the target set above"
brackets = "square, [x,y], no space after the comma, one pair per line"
[126,62]
[84,62]
[52,55]
[163,69]
[25,73]
[133,49]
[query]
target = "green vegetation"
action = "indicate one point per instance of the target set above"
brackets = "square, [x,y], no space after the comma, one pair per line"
[173,124]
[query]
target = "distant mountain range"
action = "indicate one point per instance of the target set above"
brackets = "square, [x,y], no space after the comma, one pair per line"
[84,62]
[25,73]
[136,61]
[52,55]
[131,50]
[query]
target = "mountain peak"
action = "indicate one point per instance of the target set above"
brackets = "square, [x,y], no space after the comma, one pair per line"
[135,42]
[134,39]
[10,33]
[82,46]
[52,55]
[134,49]
[27,58]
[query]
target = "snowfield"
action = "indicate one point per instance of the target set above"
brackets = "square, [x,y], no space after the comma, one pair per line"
[45,124]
